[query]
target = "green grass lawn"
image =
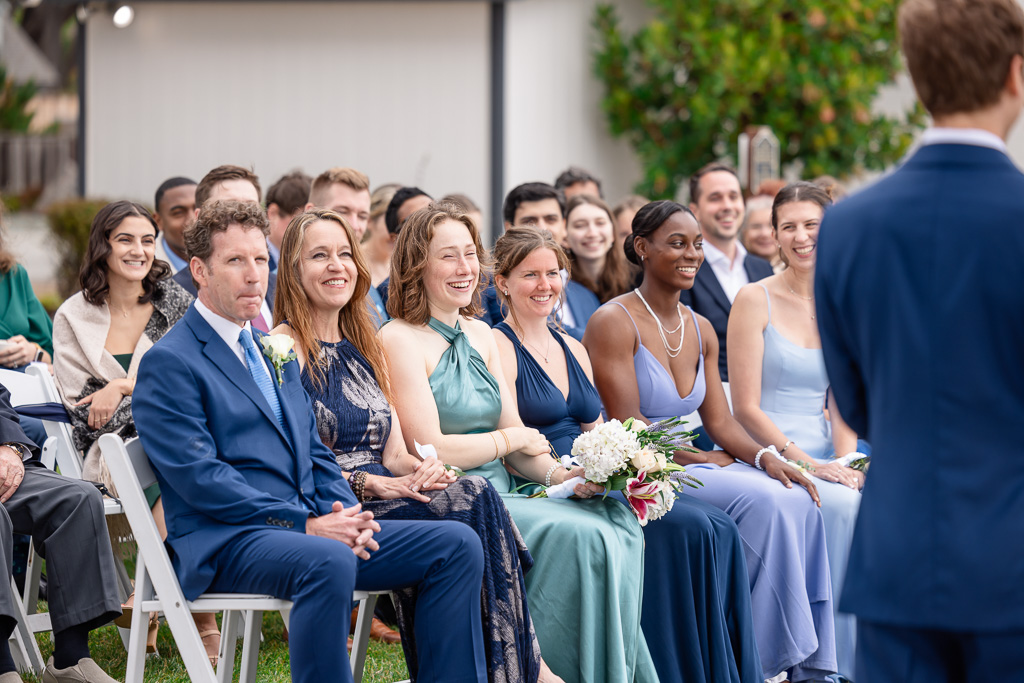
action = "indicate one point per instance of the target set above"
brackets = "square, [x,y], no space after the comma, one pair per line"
[384,663]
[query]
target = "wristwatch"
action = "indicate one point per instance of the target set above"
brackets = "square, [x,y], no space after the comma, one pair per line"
[17,448]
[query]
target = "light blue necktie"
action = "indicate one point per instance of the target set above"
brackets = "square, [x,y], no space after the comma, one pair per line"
[253,361]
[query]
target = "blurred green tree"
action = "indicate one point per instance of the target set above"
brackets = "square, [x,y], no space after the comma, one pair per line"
[688,82]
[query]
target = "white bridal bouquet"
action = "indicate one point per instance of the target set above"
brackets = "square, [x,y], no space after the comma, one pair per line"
[633,458]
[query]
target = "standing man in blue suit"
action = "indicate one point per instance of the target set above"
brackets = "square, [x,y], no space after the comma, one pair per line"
[255,503]
[716,200]
[920,294]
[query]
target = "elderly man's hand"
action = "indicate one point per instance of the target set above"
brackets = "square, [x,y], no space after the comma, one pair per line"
[351,526]
[12,471]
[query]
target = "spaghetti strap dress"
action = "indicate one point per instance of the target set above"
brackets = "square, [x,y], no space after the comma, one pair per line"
[353,419]
[793,388]
[585,586]
[782,531]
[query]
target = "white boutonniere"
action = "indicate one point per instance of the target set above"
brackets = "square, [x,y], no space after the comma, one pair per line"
[279,348]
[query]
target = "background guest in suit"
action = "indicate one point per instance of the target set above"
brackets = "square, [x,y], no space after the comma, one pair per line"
[286,199]
[65,516]
[717,201]
[256,503]
[344,191]
[598,262]
[919,291]
[239,184]
[175,205]
[126,304]
[575,180]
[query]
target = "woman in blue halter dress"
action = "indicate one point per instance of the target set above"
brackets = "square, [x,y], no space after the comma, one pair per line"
[653,367]
[354,419]
[696,611]
[779,385]
[584,589]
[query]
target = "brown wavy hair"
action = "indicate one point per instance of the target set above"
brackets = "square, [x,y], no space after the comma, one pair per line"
[407,298]
[617,275]
[93,276]
[513,247]
[291,302]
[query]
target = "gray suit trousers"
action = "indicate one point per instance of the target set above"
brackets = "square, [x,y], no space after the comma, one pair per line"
[65,519]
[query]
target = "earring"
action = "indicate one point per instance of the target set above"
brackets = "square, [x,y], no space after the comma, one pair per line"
[506,292]
[641,258]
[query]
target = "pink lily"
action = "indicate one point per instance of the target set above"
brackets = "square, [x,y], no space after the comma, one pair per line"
[639,495]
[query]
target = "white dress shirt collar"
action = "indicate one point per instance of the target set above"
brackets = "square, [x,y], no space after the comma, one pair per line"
[963,136]
[227,330]
[731,275]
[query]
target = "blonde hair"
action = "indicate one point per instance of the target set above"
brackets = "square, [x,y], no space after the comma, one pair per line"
[291,302]
[357,180]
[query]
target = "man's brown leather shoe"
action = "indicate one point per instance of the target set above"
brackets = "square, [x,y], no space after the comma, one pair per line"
[378,630]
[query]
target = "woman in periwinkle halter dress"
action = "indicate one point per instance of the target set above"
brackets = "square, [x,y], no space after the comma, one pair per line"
[656,362]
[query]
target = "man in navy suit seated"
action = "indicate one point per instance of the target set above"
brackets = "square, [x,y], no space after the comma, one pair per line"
[254,501]
[920,294]
[716,201]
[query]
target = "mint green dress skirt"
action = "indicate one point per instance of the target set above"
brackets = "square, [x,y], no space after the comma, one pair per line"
[585,588]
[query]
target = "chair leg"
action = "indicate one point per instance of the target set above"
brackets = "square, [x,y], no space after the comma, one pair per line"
[228,639]
[136,664]
[361,637]
[25,647]
[251,646]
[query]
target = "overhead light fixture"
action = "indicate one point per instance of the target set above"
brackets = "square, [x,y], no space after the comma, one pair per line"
[124,16]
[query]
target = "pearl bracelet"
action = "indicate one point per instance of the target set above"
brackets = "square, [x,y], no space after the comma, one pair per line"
[767,449]
[551,470]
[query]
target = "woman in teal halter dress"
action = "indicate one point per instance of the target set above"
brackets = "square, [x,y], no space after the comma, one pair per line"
[584,589]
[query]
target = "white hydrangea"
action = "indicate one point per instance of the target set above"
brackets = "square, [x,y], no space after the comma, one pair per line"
[604,450]
[663,502]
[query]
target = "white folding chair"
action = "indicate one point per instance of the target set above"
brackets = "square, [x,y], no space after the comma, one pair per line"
[33,387]
[157,588]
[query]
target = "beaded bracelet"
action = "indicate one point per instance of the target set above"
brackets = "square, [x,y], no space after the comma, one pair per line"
[767,449]
[551,470]
[358,483]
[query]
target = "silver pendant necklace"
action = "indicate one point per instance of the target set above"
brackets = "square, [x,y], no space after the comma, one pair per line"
[672,352]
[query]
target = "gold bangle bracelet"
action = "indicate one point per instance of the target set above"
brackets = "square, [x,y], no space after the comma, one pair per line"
[508,446]
[496,449]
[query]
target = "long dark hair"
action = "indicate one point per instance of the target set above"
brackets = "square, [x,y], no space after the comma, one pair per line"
[617,274]
[93,276]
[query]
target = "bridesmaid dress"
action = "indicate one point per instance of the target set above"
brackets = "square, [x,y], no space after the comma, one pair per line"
[793,389]
[353,419]
[783,538]
[696,610]
[585,586]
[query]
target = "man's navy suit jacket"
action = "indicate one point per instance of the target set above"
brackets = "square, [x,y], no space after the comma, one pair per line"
[224,463]
[920,299]
[707,298]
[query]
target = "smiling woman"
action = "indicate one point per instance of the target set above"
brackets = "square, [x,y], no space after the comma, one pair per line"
[100,334]
[594,250]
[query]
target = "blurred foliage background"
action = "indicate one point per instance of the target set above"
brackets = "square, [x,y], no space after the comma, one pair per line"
[683,87]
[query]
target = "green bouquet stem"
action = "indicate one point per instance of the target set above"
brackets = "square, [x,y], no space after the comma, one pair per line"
[616,482]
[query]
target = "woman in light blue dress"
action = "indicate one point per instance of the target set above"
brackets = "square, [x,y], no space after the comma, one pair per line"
[650,362]
[779,386]
[585,587]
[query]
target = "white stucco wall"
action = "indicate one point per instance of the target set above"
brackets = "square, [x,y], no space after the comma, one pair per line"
[398,90]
